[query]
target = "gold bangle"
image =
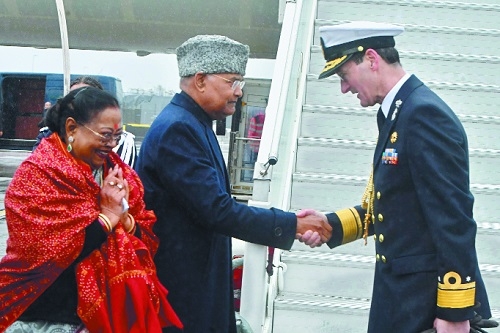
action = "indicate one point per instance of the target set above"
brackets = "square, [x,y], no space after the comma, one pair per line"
[104,225]
[132,229]
[106,221]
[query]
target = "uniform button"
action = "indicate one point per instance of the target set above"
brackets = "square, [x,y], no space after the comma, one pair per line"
[375,237]
[383,259]
[380,217]
[378,257]
[278,231]
[380,238]
[378,195]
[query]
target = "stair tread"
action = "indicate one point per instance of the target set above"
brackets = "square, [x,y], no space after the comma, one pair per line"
[327,258]
[315,302]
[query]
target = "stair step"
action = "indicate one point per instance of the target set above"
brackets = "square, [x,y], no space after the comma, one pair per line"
[311,302]
[329,192]
[435,67]
[353,260]
[463,98]
[312,272]
[415,12]
[306,313]
[466,40]
[323,155]
[345,314]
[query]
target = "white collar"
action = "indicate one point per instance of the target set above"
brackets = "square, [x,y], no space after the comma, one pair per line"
[386,103]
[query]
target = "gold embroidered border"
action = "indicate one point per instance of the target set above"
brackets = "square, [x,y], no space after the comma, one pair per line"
[456,299]
[351,224]
[136,273]
[358,222]
[455,295]
[332,63]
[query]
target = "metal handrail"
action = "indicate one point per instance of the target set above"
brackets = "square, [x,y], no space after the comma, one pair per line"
[276,153]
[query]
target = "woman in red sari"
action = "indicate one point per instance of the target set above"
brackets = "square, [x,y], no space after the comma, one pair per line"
[80,246]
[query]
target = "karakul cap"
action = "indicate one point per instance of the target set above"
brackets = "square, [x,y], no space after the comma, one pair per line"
[212,54]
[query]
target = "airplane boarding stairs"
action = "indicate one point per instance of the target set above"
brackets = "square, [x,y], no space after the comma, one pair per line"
[452,47]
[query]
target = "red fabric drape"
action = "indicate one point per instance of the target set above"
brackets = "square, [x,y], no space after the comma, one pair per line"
[119,290]
[49,203]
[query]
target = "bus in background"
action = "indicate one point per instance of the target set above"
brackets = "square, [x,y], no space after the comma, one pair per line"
[22,98]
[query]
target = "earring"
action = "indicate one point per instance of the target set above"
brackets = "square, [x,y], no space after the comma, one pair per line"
[69,148]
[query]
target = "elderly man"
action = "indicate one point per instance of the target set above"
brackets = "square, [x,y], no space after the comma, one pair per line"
[187,186]
[417,205]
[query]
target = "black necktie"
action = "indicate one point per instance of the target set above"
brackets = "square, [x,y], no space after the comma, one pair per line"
[380,119]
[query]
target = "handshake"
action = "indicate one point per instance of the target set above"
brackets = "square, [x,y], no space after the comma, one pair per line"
[313,228]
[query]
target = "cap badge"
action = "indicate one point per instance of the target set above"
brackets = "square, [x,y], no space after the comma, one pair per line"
[329,65]
[394,137]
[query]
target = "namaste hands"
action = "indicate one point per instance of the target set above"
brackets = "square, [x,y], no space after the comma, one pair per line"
[114,194]
[313,228]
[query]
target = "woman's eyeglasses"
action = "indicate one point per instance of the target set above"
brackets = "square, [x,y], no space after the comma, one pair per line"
[106,138]
[235,83]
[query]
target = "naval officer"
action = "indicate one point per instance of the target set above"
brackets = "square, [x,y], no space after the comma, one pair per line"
[418,204]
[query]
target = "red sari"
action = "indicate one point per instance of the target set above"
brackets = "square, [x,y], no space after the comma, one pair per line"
[50,201]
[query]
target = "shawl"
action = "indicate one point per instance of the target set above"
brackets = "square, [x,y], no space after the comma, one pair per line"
[50,201]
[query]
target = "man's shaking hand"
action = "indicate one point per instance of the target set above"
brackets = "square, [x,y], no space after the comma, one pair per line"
[313,228]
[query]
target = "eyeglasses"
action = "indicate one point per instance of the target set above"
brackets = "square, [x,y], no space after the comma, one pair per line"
[235,83]
[106,138]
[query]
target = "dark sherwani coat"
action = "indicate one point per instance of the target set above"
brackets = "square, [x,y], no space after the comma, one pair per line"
[187,186]
[426,264]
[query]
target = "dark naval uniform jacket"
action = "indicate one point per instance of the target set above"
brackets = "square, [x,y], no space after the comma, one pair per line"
[187,186]
[426,264]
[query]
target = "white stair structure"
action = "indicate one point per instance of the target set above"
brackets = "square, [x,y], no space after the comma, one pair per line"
[324,143]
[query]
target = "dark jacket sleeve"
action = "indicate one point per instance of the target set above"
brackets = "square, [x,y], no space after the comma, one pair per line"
[198,182]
